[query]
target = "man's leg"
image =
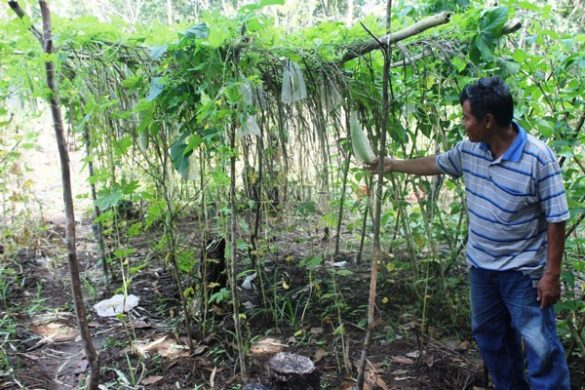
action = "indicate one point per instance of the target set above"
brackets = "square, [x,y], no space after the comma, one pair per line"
[547,366]
[498,343]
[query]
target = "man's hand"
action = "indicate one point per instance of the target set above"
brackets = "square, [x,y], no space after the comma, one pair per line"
[418,166]
[373,166]
[548,290]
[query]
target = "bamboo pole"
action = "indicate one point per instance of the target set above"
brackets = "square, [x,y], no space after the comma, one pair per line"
[377,250]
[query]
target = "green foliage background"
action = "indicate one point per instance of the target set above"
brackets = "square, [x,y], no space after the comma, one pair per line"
[158,103]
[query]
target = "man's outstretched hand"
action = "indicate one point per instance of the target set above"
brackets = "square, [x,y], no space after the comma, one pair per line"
[373,165]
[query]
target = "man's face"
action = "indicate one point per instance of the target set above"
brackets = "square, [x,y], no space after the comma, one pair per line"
[477,130]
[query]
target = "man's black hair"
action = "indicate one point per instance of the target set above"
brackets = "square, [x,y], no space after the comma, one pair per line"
[489,95]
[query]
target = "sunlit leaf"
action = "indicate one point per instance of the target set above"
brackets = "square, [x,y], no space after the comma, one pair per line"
[198,31]
[157,52]
[493,20]
[156,88]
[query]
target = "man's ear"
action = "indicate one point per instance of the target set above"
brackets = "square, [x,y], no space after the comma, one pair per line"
[490,121]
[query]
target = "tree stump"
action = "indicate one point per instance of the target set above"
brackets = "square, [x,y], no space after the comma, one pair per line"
[288,371]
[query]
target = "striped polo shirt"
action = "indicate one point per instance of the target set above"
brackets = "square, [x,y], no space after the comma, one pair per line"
[510,200]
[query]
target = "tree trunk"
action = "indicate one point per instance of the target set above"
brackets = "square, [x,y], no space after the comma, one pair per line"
[90,352]
[169,13]
[349,13]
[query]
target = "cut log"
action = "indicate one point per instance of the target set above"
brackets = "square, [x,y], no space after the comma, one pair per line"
[288,371]
[362,48]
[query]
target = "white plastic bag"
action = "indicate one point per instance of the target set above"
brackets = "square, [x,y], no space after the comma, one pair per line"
[116,305]
[293,84]
[250,127]
[330,96]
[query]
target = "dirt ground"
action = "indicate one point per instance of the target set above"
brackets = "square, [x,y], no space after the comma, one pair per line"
[147,348]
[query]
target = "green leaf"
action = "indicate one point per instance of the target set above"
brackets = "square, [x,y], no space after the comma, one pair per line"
[545,128]
[193,142]
[527,5]
[132,82]
[519,55]
[220,178]
[186,261]
[123,252]
[129,187]
[306,208]
[266,3]
[508,67]
[198,31]
[459,63]
[483,45]
[157,52]
[109,199]
[156,87]
[311,262]
[154,212]
[134,230]
[180,157]
[493,20]
[123,145]
[220,296]
[343,272]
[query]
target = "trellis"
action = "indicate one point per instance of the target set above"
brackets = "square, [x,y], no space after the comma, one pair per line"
[105,67]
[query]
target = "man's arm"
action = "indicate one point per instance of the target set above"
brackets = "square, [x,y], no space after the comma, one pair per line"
[417,166]
[549,287]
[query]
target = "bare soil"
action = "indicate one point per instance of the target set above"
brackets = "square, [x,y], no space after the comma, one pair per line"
[147,349]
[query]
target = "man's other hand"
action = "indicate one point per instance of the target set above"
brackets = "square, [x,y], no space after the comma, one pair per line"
[548,290]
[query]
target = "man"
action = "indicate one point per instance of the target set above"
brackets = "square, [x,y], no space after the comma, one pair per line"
[517,212]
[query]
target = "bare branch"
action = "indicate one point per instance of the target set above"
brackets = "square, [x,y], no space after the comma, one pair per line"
[21,14]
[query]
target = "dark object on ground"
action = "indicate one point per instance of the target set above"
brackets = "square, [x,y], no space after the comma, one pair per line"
[215,272]
[288,371]
[127,210]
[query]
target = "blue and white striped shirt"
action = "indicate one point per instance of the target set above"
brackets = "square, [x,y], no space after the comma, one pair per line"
[510,201]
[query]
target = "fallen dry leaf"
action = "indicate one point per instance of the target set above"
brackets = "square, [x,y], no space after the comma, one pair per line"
[401,360]
[267,346]
[381,384]
[151,380]
[319,354]
[429,360]
[413,355]
[55,332]
[346,386]
[316,331]
[162,346]
[139,324]
[81,366]
[212,377]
